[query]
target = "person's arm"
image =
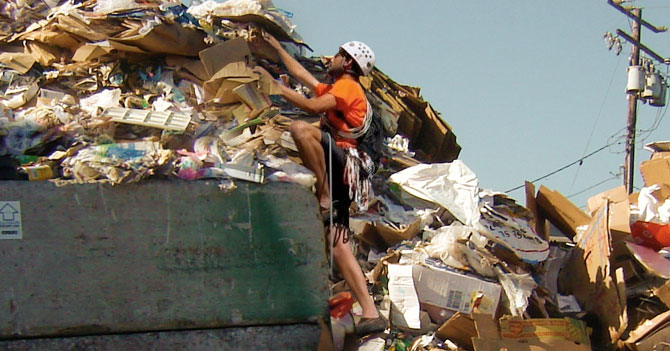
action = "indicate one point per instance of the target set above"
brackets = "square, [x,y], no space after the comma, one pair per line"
[292,65]
[312,105]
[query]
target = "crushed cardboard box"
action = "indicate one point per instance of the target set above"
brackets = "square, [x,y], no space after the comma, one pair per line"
[560,211]
[544,330]
[593,281]
[455,291]
[460,328]
[489,336]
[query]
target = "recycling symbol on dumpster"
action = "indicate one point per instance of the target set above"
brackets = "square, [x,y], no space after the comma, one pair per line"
[10,220]
[8,212]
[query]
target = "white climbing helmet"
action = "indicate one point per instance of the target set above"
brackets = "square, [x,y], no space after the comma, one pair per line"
[362,54]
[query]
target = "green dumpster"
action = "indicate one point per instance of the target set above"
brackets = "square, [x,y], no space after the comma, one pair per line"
[162,263]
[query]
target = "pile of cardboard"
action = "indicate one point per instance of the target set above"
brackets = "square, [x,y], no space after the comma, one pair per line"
[599,288]
[118,91]
[458,283]
[82,74]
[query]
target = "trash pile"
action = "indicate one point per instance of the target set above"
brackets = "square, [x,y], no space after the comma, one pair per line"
[125,91]
[456,267]
[119,91]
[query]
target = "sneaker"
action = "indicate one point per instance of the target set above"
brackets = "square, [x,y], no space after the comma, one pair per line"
[367,326]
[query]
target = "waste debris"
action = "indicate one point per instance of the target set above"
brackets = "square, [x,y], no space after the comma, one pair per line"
[125,91]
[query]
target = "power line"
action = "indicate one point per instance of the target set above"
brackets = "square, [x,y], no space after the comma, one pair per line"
[646,133]
[593,186]
[595,124]
[579,161]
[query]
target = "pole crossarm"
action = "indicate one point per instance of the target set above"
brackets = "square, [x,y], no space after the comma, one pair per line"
[643,47]
[627,12]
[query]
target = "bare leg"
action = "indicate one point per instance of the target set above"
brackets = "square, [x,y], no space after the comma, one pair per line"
[352,273]
[308,140]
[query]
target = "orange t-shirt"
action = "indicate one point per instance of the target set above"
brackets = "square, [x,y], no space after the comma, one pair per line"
[350,109]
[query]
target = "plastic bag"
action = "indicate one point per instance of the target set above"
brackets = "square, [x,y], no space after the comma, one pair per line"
[647,203]
[340,304]
[518,288]
[448,247]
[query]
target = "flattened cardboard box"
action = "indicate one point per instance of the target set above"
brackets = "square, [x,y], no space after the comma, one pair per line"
[651,333]
[658,146]
[18,61]
[481,344]
[392,235]
[662,154]
[89,52]
[544,329]
[619,216]
[489,339]
[663,293]
[540,222]
[167,39]
[591,279]
[657,172]
[221,85]
[216,57]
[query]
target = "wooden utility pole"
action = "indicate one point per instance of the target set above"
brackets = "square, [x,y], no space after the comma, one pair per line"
[629,166]
[636,15]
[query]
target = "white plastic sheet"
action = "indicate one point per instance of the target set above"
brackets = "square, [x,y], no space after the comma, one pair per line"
[231,8]
[480,261]
[568,304]
[649,209]
[211,150]
[96,103]
[109,6]
[289,171]
[451,185]
[664,211]
[648,204]
[518,288]
[228,8]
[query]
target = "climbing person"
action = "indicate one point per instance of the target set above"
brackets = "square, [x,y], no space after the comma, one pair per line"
[331,152]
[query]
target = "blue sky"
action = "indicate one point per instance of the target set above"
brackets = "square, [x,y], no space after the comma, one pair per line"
[528,86]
